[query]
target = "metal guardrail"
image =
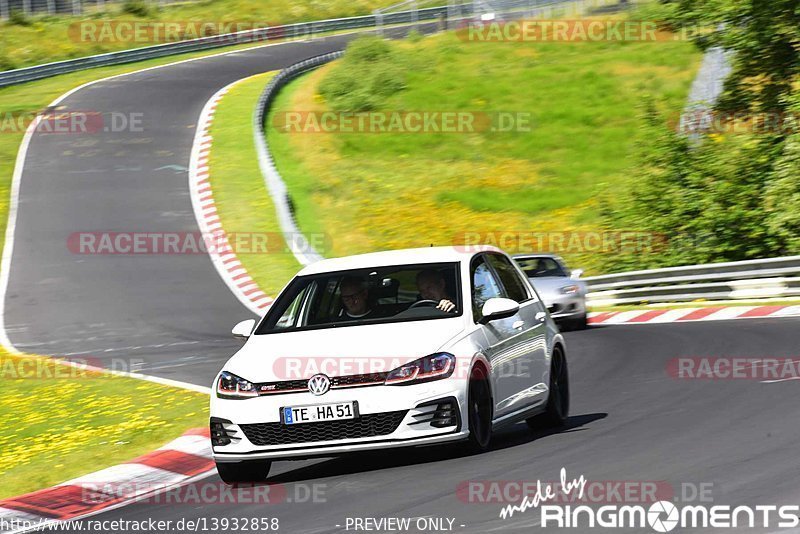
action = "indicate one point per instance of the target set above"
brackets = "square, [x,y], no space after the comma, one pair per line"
[752,279]
[272,33]
[302,250]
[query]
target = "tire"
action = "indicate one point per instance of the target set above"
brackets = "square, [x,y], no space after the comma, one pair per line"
[581,323]
[557,410]
[479,410]
[248,471]
[571,324]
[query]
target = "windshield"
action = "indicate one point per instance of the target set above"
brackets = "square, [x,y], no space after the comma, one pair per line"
[366,296]
[541,267]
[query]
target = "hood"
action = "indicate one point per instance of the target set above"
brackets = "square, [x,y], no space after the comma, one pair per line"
[340,351]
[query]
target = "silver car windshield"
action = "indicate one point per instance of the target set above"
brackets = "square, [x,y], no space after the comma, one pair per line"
[366,296]
[541,267]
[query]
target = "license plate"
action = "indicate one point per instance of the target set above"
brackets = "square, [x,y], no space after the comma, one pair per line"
[294,415]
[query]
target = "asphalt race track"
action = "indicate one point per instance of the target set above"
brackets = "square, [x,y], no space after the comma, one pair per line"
[173,312]
[630,420]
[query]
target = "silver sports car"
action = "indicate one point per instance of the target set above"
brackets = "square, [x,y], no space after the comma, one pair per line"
[561,290]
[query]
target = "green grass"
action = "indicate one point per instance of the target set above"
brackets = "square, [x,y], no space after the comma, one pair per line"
[64,423]
[242,201]
[386,191]
[51,39]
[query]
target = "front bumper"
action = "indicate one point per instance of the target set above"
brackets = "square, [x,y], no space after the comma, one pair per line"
[389,417]
[567,307]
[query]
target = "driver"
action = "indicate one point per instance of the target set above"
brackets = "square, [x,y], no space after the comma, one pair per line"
[355,297]
[432,286]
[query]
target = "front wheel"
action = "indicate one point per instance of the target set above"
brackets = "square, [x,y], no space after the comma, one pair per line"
[247,471]
[580,323]
[479,412]
[557,410]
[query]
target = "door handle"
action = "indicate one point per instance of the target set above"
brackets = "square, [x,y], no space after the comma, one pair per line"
[518,325]
[541,316]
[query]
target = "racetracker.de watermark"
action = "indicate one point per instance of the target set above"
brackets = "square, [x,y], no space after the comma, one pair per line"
[735,122]
[301,368]
[575,31]
[402,122]
[208,492]
[191,243]
[163,31]
[76,122]
[41,368]
[515,241]
[595,491]
[734,368]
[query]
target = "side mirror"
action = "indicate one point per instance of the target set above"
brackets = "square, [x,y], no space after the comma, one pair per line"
[244,329]
[498,308]
[577,273]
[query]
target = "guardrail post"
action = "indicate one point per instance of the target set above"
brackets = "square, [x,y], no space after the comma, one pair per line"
[76,7]
[4,9]
[415,15]
[26,7]
[51,7]
[378,21]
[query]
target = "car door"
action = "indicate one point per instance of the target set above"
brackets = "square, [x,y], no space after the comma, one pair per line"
[502,336]
[524,363]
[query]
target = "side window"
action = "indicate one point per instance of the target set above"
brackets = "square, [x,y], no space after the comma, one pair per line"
[484,287]
[513,284]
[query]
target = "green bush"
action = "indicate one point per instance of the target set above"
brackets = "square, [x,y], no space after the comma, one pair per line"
[140,8]
[728,196]
[18,17]
[6,63]
[725,198]
[368,74]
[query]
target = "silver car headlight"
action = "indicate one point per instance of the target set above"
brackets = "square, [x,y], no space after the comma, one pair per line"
[570,290]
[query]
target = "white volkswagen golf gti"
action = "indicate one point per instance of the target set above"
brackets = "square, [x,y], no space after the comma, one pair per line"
[390,349]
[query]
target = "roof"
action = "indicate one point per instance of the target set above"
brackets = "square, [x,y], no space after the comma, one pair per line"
[397,257]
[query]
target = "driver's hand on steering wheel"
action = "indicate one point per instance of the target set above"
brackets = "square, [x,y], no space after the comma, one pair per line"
[446,306]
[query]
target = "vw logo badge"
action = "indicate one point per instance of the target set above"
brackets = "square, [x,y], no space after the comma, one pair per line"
[319,384]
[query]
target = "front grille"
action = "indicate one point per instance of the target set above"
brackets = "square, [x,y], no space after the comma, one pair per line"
[366,426]
[287,386]
[358,380]
[293,386]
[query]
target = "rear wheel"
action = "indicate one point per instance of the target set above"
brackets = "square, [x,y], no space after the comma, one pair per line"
[557,411]
[248,471]
[479,411]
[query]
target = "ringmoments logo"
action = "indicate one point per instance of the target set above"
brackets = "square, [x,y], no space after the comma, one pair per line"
[660,516]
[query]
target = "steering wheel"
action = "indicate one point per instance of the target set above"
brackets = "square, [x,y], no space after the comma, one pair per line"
[425,302]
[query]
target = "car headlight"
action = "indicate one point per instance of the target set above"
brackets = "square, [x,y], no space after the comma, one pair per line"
[433,367]
[570,290]
[230,386]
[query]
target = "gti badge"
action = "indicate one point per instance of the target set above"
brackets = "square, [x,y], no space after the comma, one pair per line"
[319,384]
